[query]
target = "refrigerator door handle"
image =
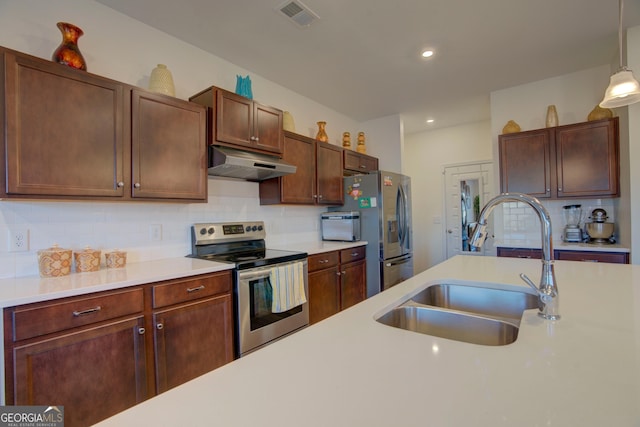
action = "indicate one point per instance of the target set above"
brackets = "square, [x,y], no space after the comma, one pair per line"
[401,211]
[405,259]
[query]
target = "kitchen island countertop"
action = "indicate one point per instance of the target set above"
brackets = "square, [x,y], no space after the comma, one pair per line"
[349,370]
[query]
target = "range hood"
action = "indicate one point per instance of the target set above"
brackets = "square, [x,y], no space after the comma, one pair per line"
[232,163]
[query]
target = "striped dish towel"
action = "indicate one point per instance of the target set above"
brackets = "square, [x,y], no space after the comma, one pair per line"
[287,282]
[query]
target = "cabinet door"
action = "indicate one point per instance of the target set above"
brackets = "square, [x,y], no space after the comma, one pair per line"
[169,151]
[65,131]
[300,186]
[324,294]
[329,174]
[234,119]
[587,159]
[353,284]
[267,128]
[192,339]
[94,373]
[525,163]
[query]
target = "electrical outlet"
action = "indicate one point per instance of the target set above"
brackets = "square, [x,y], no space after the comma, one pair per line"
[18,240]
[155,232]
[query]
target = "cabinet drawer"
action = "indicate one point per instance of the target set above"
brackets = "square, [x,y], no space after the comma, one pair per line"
[588,256]
[322,261]
[178,291]
[520,253]
[352,254]
[41,319]
[357,162]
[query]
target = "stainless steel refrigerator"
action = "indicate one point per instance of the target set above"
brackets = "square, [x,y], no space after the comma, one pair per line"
[384,202]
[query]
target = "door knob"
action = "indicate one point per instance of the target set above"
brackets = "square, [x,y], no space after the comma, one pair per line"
[450,231]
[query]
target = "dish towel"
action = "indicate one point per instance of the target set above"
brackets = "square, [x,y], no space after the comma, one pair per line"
[287,282]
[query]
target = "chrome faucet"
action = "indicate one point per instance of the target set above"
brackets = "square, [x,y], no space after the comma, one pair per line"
[548,290]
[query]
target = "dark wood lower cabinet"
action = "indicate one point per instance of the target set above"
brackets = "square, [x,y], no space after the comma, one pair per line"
[337,280]
[191,340]
[94,373]
[567,255]
[101,353]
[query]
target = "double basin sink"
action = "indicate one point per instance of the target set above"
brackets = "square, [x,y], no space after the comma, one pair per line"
[464,312]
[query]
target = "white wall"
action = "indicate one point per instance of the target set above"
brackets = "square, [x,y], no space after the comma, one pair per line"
[118,47]
[633,61]
[426,154]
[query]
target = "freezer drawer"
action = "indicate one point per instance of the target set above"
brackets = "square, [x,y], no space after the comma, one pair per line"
[396,270]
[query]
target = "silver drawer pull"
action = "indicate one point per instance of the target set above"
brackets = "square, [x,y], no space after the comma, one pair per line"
[589,260]
[199,288]
[88,311]
[141,331]
[354,254]
[323,261]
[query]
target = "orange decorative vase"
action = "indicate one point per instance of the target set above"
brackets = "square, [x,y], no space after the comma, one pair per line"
[322,133]
[68,53]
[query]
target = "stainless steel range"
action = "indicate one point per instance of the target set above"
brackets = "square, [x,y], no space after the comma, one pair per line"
[268,283]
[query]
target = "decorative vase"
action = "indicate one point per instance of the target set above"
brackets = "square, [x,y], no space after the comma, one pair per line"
[346,140]
[511,127]
[552,116]
[322,133]
[68,53]
[360,148]
[599,113]
[161,81]
[287,122]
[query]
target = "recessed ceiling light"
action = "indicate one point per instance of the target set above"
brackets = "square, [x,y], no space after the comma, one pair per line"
[427,53]
[430,121]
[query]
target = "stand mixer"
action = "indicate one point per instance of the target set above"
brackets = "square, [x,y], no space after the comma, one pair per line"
[572,216]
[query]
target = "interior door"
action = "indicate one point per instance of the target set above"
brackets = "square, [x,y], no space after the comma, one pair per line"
[467,189]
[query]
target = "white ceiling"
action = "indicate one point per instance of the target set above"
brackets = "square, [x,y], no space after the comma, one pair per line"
[362,57]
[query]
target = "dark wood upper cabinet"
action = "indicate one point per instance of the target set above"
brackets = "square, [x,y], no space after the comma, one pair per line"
[64,131]
[572,161]
[355,162]
[241,122]
[318,177]
[168,148]
[69,134]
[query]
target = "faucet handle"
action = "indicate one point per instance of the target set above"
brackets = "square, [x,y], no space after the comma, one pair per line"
[543,296]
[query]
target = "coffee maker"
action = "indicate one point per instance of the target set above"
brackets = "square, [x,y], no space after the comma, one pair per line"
[572,216]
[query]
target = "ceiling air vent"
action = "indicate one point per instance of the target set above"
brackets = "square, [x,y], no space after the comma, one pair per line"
[297,12]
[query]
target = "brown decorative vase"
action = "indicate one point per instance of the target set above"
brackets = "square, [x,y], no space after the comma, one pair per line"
[552,116]
[346,140]
[322,133]
[68,53]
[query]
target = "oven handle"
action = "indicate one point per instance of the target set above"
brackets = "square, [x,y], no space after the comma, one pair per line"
[261,274]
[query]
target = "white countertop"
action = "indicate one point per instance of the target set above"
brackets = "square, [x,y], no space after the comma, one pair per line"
[349,370]
[561,245]
[24,290]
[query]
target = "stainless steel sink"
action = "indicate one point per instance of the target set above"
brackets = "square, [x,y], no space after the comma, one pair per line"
[473,314]
[452,325]
[500,303]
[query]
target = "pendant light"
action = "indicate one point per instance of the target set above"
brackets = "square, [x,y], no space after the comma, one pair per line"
[623,88]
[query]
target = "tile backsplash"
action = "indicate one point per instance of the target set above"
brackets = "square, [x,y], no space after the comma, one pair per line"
[147,231]
[520,222]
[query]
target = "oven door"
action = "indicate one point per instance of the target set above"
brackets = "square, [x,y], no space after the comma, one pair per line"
[256,324]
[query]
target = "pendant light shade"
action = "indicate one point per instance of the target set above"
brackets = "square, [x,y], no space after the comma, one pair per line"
[623,88]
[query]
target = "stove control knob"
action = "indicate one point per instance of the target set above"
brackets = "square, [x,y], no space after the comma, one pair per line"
[248,229]
[203,231]
[259,228]
[254,228]
[210,230]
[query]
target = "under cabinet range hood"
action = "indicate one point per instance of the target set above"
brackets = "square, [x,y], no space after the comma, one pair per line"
[250,166]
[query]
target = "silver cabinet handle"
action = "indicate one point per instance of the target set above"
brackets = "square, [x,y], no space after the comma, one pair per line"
[85,312]
[137,185]
[141,331]
[320,196]
[120,184]
[199,288]
[354,254]
[323,261]
[159,326]
[344,272]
